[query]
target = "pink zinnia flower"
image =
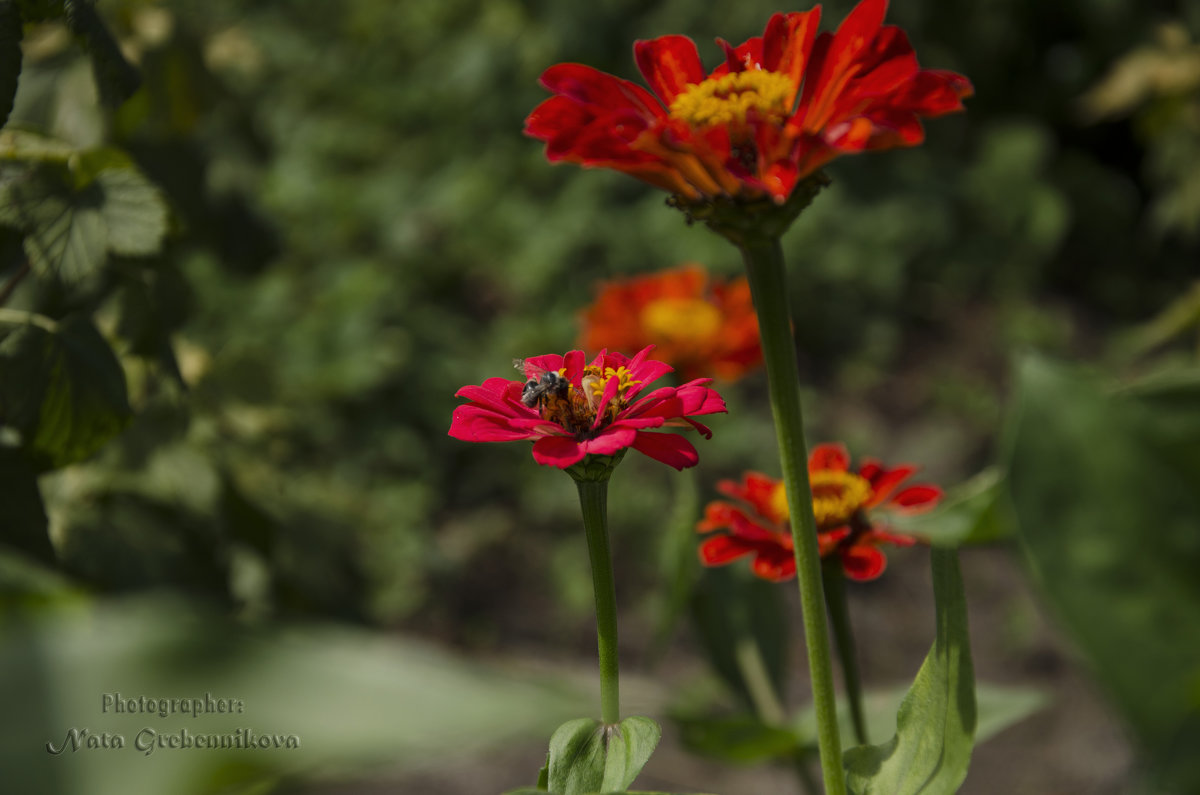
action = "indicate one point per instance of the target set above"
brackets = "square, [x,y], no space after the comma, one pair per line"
[571,409]
[843,501]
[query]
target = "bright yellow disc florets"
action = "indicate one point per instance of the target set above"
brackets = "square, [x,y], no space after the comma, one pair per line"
[728,98]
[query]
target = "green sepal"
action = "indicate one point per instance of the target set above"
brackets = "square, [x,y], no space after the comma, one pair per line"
[595,468]
[738,220]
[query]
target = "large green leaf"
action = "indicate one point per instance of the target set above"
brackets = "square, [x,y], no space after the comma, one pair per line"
[935,726]
[741,621]
[1106,487]
[61,388]
[76,207]
[587,756]
[972,513]
[10,56]
[354,699]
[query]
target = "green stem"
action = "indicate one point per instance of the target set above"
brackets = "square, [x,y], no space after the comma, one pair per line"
[593,499]
[758,680]
[839,615]
[764,266]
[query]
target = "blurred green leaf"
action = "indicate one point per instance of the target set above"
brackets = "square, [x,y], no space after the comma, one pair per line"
[1106,488]
[586,756]
[735,612]
[935,726]
[10,56]
[354,699]
[62,388]
[737,739]
[75,209]
[972,513]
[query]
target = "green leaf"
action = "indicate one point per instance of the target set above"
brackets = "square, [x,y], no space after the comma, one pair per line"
[972,513]
[116,78]
[75,209]
[587,756]
[935,726]
[731,609]
[10,56]
[22,516]
[1106,488]
[62,388]
[737,739]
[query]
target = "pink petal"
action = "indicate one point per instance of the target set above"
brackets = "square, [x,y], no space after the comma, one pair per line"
[611,441]
[557,451]
[670,448]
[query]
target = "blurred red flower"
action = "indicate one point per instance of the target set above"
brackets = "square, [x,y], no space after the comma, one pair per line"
[842,500]
[702,328]
[780,107]
[572,409]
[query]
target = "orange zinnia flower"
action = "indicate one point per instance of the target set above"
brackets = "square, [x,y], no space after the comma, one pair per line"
[781,106]
[702,329]
[843,500]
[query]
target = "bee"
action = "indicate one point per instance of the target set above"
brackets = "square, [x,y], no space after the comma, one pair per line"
[545,385]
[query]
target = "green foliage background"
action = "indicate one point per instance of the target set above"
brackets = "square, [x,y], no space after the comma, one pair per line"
[358,228]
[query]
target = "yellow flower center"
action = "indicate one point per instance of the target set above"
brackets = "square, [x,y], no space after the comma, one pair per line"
[836,496]
[681,321]
[728,98]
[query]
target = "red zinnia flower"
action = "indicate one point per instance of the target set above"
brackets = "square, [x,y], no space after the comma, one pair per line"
[572,409]
[701,329]
[842,499]
[781,106]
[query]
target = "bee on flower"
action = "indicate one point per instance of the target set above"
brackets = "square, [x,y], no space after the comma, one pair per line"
[570,409]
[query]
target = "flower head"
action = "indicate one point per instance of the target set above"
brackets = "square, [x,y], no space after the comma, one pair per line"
[572,409]
[701,328]
[781,106]
[843,500]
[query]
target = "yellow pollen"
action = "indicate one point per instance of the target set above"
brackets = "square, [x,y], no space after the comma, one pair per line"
[728,98]
[836,496]
[681,321]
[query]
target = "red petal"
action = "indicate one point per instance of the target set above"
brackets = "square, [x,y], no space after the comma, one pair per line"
[557,451]
[862,562]
[600,90]
[611,441]
[774,565]
[670,448]
[883,481]
[829,456]
[917,498]
[719,550]
[669,64]
[787,43]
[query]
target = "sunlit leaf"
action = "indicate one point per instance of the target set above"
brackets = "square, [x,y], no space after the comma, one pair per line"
[586,756]
[935,726]
[76,209]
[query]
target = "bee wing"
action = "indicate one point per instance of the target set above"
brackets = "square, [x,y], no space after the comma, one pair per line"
[528,369]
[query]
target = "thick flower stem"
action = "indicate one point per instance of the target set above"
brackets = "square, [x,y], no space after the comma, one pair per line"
[593,499]
[764,265]
[839,615]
